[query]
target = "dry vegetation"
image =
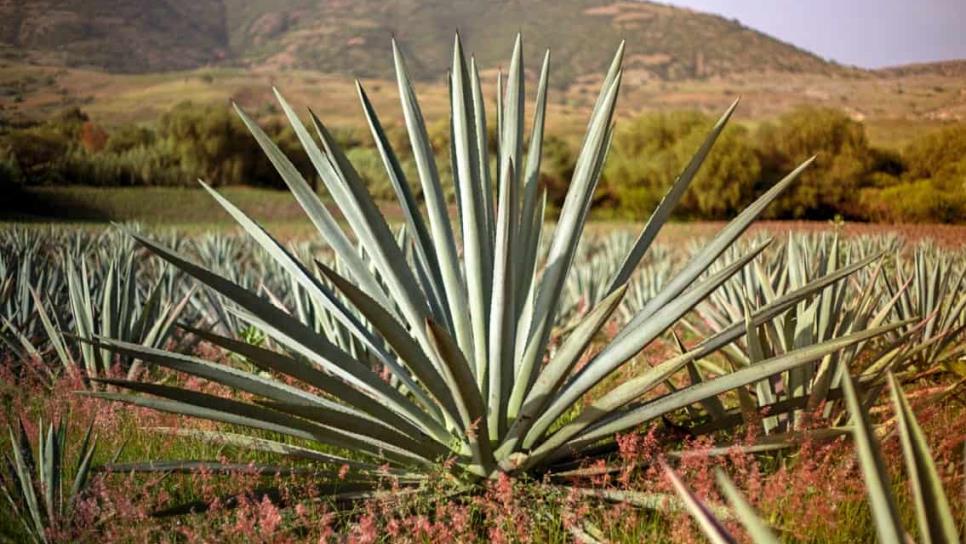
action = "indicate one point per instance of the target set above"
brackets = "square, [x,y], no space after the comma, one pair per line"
[896,107]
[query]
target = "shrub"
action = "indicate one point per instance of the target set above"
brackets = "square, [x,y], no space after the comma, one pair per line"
[92,137]
[844,161]
[918,201]
[557,167]
[933,186]
[38,153]
[373,173]
[652,150]
[189,142]
[850,178]
[727,180]
[10,175]
[208,141]
[940,154]
[128,137]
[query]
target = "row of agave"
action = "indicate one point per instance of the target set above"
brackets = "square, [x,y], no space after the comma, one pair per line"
[55,285]
[931,302]
[61,283]
[492,351]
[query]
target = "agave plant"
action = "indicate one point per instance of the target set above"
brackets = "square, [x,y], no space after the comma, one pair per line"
[122,312]
[37,487]
[647,282]
[931,288]
[24,266]
[934,518]
[47,298]
[597,259]
[464,335]
[837,310]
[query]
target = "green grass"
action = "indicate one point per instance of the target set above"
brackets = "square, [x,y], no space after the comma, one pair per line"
[192,211]
[155,206]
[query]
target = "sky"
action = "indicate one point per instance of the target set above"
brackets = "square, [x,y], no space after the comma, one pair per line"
[866,33]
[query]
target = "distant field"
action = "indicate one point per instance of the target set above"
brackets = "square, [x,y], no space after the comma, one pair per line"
[159,206]
[192,210]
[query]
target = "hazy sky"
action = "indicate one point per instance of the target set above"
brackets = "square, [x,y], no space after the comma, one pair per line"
[867,33]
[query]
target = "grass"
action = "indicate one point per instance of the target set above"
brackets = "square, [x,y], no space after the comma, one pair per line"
[150,205]
[193,211]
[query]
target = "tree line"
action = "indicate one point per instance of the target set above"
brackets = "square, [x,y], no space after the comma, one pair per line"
[924,181]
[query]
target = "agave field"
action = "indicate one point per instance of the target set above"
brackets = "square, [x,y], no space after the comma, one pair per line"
[480,375]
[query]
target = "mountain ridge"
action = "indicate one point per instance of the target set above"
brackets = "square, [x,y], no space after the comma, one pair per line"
[947,68]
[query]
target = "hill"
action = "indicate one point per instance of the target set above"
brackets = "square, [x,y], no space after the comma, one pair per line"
[124,61]
[350,37]
[947,68]
[116,35]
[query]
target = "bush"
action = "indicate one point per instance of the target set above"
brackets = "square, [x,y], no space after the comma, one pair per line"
[128,137]
[11,178]
[651,151]
[938,155]
[370,167]
[556,168]
[38,153]
[138,166]
[933,186]
[844,162]
[922,201]
[92,137]
[213,143]
[726,182]
[923,182]
[190,142]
